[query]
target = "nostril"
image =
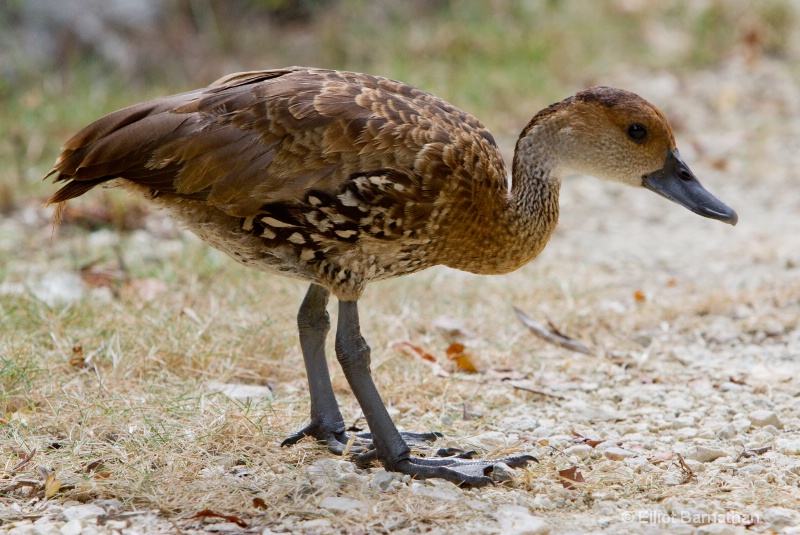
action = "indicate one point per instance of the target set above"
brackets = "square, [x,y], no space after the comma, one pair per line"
[685,174]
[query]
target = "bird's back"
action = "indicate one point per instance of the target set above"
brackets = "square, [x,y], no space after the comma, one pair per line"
[334,177]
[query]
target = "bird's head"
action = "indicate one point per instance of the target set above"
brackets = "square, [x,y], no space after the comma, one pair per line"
[619,136]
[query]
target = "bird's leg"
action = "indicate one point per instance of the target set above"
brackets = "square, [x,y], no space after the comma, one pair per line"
[390,448]
[327,424]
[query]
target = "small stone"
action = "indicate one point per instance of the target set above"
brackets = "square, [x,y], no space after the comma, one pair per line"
[489,440]
[750,470]
[521,423]
[502,472]
[109,506]
[338,505]
[82,512]
[686,433]
[729,431]
[771,429]
[581,451]
[543,502]
[781,517]
[719,528]
[617,454]
[241,392]
[705,454]
[787,446]
[742,426]
[381,480]
[760,418]
[638,464]
[73,527]
[516,520]
[442,493]
[727,386]
[542,432]
[317,524]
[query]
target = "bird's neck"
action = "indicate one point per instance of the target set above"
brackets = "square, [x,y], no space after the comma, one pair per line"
[509,229]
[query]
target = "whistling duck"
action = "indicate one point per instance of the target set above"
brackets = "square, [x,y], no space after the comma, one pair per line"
[340,179]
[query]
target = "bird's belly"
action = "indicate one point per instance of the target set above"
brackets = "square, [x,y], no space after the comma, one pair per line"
[344,267]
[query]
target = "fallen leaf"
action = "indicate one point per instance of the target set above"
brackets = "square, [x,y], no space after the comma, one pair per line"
[671,283]
[96,277]
[51,485]
[464,361]
[208,513]
[259,503]
[580,439]
[570,476]
[553,337]
[639,296]
[94,465]
[76,360]
[412,351]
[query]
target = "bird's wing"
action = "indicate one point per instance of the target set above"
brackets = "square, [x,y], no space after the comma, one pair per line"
[258,138]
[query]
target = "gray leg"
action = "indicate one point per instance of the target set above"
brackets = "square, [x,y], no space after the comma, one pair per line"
[327,424]
[390,448]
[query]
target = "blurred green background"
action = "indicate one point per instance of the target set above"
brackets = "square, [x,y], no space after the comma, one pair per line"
[64,63]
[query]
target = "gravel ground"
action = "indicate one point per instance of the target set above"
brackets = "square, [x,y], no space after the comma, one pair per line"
[688,414]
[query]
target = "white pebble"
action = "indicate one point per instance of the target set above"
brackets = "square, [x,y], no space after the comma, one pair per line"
[338,505]
[581,451]
[617,454]
[760,418]
[705,454]
[82,512]
[516,520]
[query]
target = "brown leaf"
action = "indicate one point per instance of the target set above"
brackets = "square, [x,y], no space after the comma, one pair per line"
[98,277]
[208,513]
[76,360]
[580,439]
[51,485]
[553,337]
[94,465]
[570,476]
[639,296]
[464,361]
[411,350]
[259,503]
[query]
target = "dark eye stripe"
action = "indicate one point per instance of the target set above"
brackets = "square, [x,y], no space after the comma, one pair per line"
[637,132]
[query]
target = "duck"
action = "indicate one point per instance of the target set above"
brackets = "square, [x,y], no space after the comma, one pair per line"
[340,179]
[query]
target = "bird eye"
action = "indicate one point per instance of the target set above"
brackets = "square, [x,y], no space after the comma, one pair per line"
[637,132]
